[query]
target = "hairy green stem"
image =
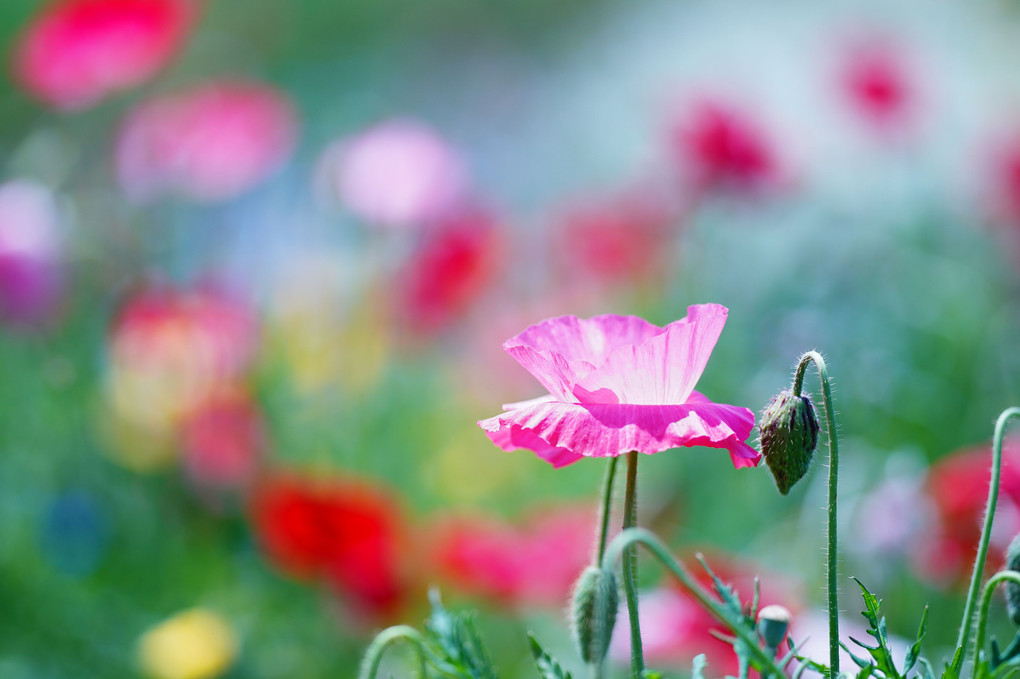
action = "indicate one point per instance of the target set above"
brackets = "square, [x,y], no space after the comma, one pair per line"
[391,635]
[631,537]
[607,500]
[986,532]
[831,549]
[986,599]
[637,659]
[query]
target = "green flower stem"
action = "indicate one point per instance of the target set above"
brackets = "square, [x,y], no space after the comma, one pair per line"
[831,551]
[391,635]
[986,599]
[629,538]
[637,659]
[982,554]
[607,499]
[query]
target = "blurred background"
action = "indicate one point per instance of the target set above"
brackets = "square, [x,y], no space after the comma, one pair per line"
[257,261]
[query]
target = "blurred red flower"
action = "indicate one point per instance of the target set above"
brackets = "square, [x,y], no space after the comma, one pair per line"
[675,628]
[617,239]
[75,52]
[223,440]
[958,486]
[455,261]
[210,143]
[876,83]
[719,146]
[30,253]
[342,531]
[531,563]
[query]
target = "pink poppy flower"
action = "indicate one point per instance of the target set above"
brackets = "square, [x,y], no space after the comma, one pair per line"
[75,52]
[398,173]
[209,144]
[533,563]
[617,384]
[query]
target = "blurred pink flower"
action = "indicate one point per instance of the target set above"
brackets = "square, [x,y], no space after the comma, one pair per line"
[75,52]
[617,384]
[876,83]
[223,441]
[958,487]
[455,261]
[719,146]
[534,563]
[398,173]
[623,238]
[675,628]
[30,252]
[209,143]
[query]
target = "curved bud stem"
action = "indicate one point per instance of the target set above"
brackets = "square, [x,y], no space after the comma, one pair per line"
[830,553]
[986,599]
[391,635]
[631,537]
[986,532]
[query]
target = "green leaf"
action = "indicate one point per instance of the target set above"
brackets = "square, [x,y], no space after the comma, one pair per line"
[914,652]
[884,664]
[548,668]
[455,646]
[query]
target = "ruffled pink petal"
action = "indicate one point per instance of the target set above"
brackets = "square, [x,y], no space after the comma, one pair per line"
[560,351]
[562,433]
[661,370]
[514,438]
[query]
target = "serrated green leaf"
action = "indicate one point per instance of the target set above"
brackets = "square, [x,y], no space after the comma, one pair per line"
[883,660]
[547,666]
[859,661]
[914,652]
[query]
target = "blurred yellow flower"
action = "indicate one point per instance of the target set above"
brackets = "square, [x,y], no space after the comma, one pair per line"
[194,644]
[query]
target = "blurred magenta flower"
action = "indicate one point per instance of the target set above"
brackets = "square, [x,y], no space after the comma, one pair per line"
[399,172]
[342,531]
[210,143]
[454,263]
[618,384]
[223,441]
[30,253]
[75,52]
[958,488]
[533,563]
[876,83]
[717,145]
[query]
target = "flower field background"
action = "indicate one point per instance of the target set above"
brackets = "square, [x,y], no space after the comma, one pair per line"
[258,261]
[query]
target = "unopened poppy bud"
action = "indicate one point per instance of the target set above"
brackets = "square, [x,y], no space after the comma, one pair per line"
[1013,589]
[596,600]
[789,434]
[773,623]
